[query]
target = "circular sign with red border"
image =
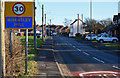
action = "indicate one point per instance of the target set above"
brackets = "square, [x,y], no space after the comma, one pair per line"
[18,8]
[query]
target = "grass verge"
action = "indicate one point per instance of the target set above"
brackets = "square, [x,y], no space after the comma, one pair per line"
[32,64]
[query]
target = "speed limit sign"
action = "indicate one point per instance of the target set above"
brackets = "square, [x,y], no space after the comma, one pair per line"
[18,8]
[19,15]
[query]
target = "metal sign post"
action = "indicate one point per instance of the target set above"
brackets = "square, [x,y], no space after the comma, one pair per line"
[26,51]
[11,50]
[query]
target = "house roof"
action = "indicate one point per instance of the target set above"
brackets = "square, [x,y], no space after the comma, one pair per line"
[110,27]
[115,17]
[77,20]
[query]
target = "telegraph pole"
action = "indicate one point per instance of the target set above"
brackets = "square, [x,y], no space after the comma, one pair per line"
[91,19]
[45,19]
[2,41]
[42,19]
[78,25]
[50,21]
[82,24]
[35,41]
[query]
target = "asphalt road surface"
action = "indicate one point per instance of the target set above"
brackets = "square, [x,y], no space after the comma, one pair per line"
[80,57]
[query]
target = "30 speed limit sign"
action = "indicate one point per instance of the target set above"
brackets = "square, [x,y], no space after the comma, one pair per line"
[18,8]
[19,15]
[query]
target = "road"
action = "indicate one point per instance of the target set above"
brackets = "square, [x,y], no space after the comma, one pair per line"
[80,57]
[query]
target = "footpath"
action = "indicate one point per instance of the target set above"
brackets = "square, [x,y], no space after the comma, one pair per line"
[46,61]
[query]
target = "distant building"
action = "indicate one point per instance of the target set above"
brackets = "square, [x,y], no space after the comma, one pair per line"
[74,28]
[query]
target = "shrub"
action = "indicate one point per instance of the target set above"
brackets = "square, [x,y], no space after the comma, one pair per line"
[18,55]
[78,35]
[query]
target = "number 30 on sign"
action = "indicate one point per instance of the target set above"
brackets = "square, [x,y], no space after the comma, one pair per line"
[18,8]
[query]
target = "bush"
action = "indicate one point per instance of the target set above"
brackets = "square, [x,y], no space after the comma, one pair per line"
[18,55]
[65,34]
[78,35]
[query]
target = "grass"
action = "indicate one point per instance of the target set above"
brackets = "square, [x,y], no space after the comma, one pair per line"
[111,45]
[32,64]
[94,41]
[115,46]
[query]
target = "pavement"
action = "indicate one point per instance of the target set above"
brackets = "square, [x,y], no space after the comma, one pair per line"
[46,61]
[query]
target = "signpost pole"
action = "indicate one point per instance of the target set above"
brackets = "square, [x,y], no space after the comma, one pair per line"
[11,50]
[35,41]
[26,51]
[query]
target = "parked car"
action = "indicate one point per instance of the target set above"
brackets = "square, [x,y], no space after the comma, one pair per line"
[54,34]
[39,35]
[106,38]
[91,37]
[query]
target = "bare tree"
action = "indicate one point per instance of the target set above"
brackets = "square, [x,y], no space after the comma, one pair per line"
[106,22]
[96,24]
[67,22]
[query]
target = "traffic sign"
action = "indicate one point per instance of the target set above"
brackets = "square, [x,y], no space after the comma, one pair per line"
[19,15]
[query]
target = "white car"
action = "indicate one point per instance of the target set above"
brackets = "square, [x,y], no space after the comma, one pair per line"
[106,38]
[53,34]
[91,37]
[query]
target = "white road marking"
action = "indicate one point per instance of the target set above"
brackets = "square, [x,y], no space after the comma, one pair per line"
[78,49]
[116,67]
[98,59]
[115,76]
[98,72]
[74,46]
[105,75]
[101,76]
[86,53]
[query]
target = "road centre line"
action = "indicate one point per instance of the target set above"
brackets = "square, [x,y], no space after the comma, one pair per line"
[74,46]
[78,49]
[86,53]
[98,59]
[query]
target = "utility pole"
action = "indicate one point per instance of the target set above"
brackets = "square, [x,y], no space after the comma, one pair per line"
[2,41]
[45,19]
[35,41]
[49,27]
[82,24]
[91,19]
[42,19]
[78,25]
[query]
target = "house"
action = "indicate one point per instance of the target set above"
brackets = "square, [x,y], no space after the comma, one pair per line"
[67,30]
[75,28]
[63,30]
[114,29]
[59,29]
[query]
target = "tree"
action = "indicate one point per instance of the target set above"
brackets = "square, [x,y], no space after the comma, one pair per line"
[67,22]
[97,24]
[106,22]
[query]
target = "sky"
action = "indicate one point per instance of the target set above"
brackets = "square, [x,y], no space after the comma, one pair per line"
[58,10]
